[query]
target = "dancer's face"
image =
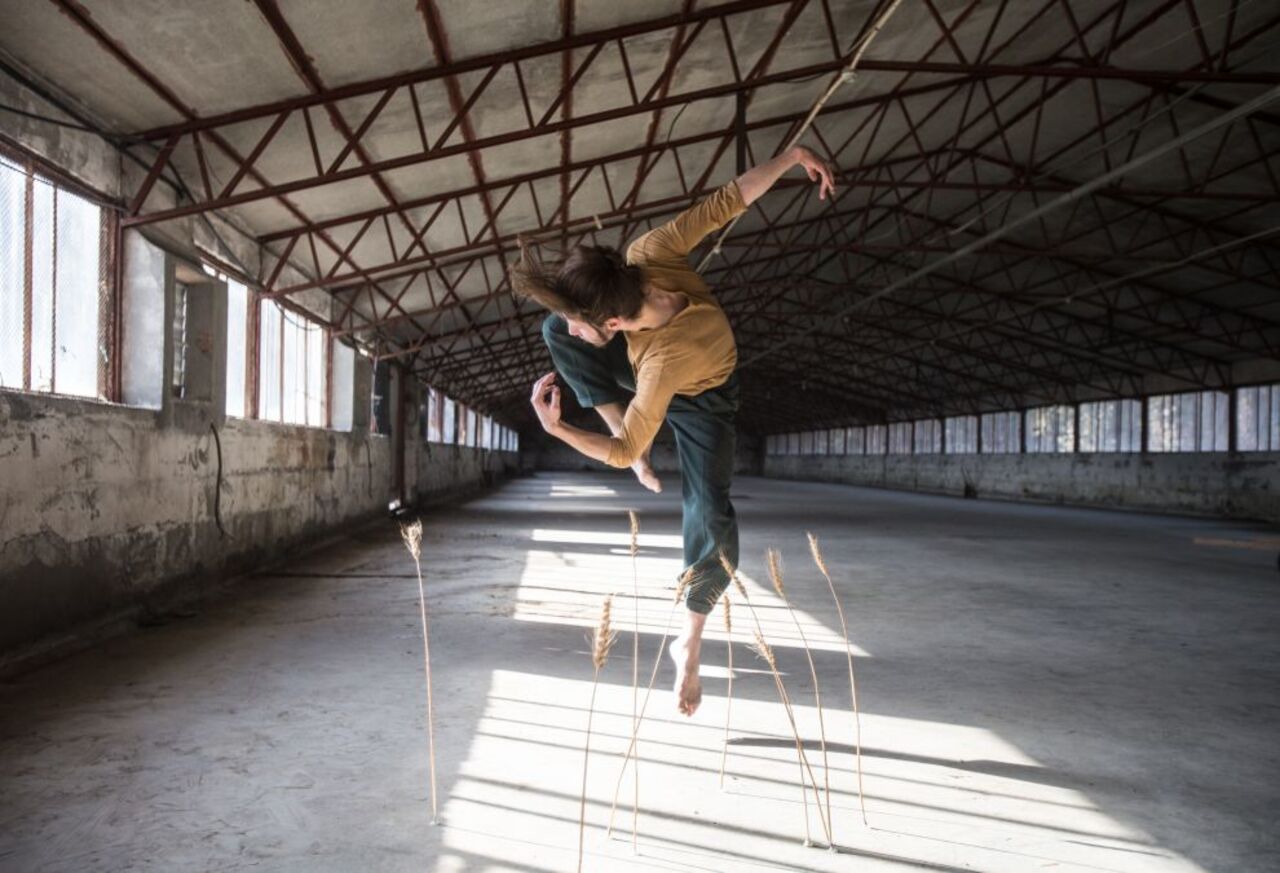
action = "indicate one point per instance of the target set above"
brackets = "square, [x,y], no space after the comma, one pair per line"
[589,333]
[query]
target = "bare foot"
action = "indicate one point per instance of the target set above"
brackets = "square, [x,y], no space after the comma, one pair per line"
[688,687]
[647,477]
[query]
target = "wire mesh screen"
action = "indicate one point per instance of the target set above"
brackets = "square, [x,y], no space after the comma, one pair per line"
[55,286]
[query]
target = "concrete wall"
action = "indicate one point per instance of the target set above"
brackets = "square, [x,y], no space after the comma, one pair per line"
[1241,485]
[107,512]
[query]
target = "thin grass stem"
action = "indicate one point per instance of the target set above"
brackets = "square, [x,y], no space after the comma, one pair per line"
[412,536]
[853,682]
[786,705]
[775,574]
[728,709]
[681,586]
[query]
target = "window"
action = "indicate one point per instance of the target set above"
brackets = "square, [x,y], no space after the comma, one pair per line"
[449,420]
[1258,418]
[1001,433]
[462,414]
[54,308]
[269,361]
[435,415]
[1111,426]
[179,329]
[836,441]
[855,440]
[291,367]
[342,396]
[238,347]
[928,437]
[877,439]
[1193,422]
[1051,429]
[806,443]
[962,435]
[237,342]
[900,438]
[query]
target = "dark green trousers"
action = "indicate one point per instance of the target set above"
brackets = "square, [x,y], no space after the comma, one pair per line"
[705,434]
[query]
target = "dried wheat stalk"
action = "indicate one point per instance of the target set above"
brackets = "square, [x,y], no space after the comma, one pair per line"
[853,683]
[601,643]
[635,676]
[681,587]
[775,575]
[728,709]
[412,536]
[763,649]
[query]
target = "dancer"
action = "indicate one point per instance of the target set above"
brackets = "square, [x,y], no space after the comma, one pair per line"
[641,339]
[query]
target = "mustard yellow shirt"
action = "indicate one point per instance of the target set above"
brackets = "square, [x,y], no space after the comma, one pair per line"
[694,351]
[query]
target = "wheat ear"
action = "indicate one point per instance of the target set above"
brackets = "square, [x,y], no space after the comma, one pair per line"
[681,586]
[412,536]
[635,677]
[853,683]
[775,575]
[728,709]
[767,653]
[601,642]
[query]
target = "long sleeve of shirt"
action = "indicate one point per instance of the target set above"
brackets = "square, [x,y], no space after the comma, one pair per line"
[643,417]
[693,352]
[674,240]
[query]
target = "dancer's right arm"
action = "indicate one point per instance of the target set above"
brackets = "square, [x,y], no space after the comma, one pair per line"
[611,414]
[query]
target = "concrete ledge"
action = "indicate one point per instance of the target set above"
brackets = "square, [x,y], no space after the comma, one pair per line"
[1238,485]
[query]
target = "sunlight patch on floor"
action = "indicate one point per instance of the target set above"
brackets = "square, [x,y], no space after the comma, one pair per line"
[563,489]
[565,585]
[515,803]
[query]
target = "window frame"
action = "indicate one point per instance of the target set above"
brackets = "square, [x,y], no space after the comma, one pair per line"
[32,169]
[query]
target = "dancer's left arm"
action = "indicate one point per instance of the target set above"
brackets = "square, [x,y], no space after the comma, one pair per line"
[674,240]
[640,424]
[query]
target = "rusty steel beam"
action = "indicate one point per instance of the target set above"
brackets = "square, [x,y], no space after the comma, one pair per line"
[586,39]
[441,151]
[496,185]
[302,65]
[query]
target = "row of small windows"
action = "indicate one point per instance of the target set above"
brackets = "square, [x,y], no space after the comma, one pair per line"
[1198,421]
[57,326]
[445,420]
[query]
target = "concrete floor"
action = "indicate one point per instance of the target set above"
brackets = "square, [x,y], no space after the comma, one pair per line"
[1042,689]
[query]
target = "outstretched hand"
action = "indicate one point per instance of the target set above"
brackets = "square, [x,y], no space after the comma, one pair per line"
[546,402]
[819,169]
